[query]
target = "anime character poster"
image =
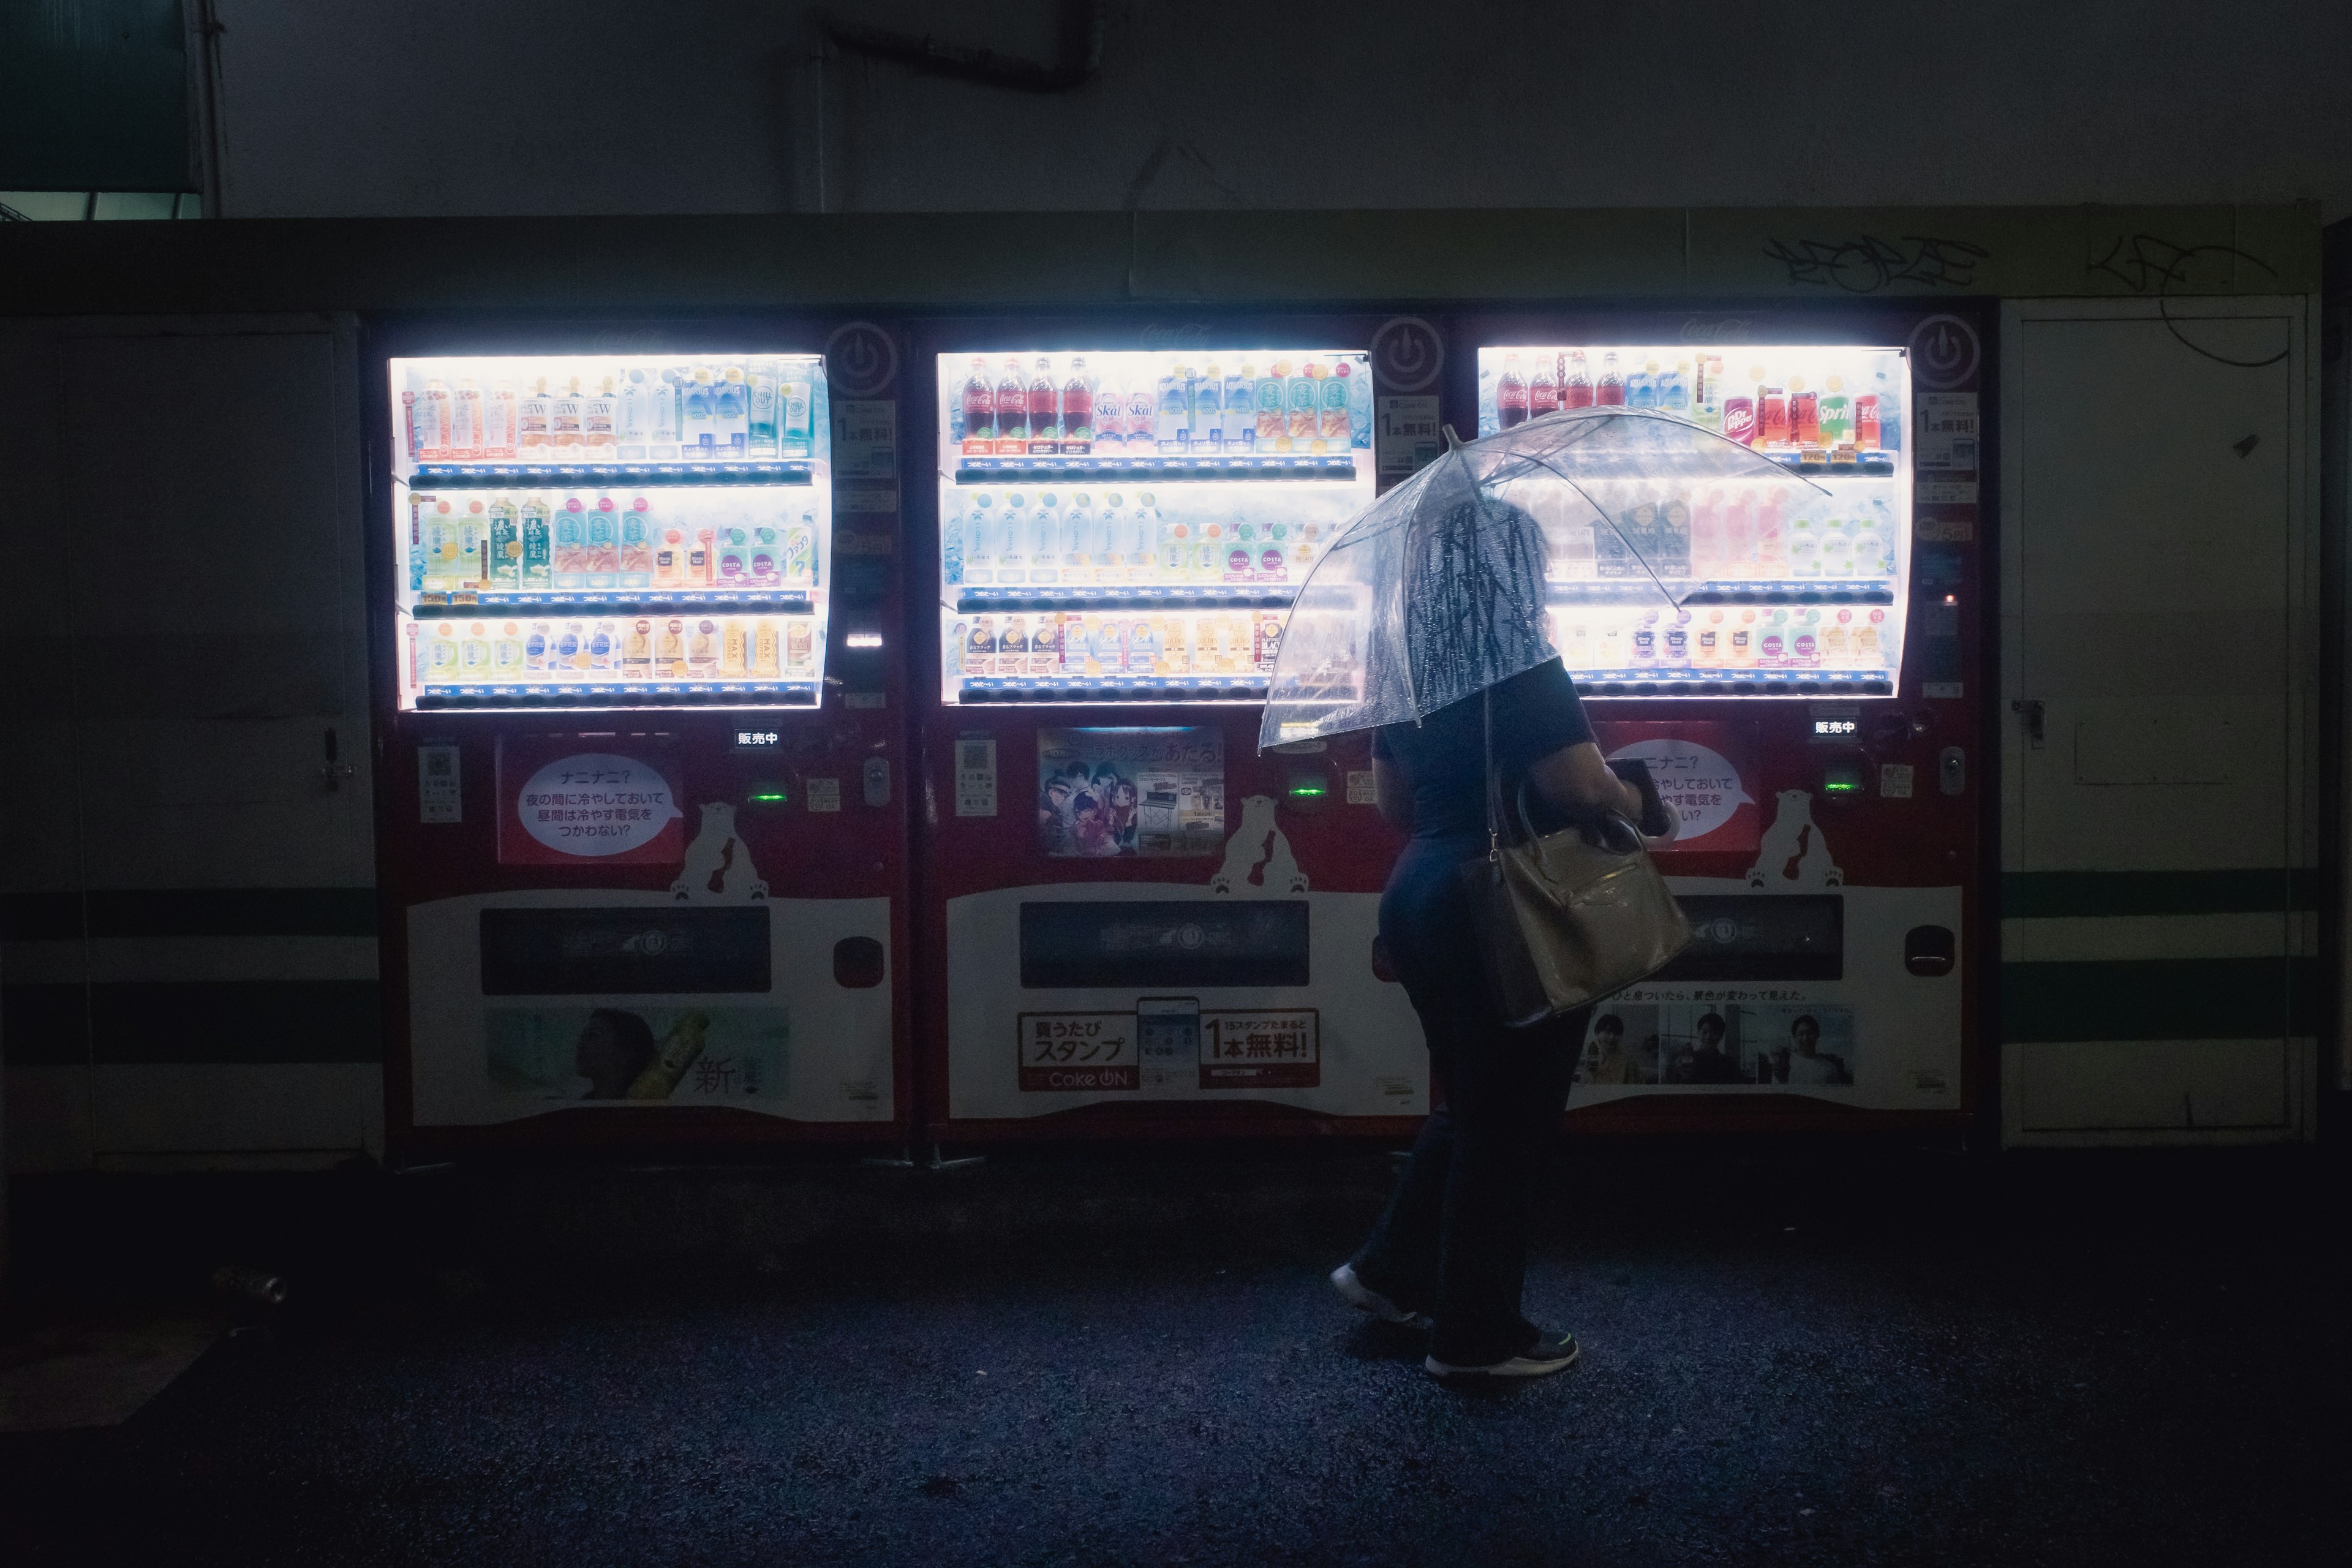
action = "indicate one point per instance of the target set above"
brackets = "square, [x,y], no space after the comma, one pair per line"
[1130,792]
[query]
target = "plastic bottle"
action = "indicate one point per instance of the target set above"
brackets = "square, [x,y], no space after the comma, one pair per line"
[1107,563]
[597,431]
[1804,549]
[1334,431]
[1837,640]
[760,411]
[563,433]
[474,546]
[796,405]
[1576,386]
[764,651]
[1837,548]
[1240,407]
[1611,391]
[698,418]
[734,649]
[1771,542]
[604,643]
[1641,386]
[465,422]
[1804,414]
[1049,547]
[602,561]
[1144,563]
[1012,412]
[983,541]
[1207,396]
[1272,398]
[1869,645]
[1673,395]
[1174,419]
[505,545]
[662,439]
[800,554]
[1543,389]
[951,545]
[1510,394]
[1077,411]
[978,409]
[532,415]
[631,427]
[1044,409]
[1012,555]
[1081,539]
[1772,414]
[639,527]
[636,648]
[1142,413]
[1305,399]
[701,647]
[1707,646]
[731,413]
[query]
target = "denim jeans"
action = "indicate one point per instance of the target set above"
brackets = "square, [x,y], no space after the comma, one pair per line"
[1453,1239]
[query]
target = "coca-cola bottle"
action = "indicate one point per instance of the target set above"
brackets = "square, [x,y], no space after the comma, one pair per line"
[1510,394]
[1044,409]
[1543,391]
[1011,411]
[1077,411]
[978,409]
[1611,394]
[1576,382]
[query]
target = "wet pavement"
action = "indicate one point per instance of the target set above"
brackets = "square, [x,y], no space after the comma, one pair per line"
[1839,1356]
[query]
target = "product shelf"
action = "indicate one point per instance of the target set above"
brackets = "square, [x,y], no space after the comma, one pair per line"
[1801,591]
[1335,466]
[1114,688]
[1083,596]
[1693,682]
[621,694]
[513,475]
[617,600]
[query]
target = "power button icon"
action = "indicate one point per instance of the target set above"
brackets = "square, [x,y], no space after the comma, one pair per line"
[1943,352]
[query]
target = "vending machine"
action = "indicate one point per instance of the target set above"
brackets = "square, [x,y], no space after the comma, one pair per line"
[1800,667]
[1135,922]
[641,822]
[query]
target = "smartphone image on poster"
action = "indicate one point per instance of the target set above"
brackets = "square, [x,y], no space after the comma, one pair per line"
[1166,1038]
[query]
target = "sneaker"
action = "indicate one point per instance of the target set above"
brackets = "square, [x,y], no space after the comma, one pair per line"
[1364,1298]
[1550,1353]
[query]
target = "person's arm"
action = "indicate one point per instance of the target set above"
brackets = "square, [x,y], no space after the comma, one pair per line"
[1575,777]
[1392,793]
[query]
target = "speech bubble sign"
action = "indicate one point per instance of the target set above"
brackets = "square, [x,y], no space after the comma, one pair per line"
[596,804]
[1697,781]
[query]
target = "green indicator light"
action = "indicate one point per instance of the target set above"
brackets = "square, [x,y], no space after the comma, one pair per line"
[768,798]
[1842,788]
[1307,789]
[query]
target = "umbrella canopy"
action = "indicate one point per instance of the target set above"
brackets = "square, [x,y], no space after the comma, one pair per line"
[1438,589]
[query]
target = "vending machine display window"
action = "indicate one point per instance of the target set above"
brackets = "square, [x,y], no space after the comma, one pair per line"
[1132,527]
[1763,589]
[598,531]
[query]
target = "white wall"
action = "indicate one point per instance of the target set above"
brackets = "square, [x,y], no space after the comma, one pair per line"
[437,106]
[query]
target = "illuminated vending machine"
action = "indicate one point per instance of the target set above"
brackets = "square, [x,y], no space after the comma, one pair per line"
[1807,692]
[640,841]
[1136,922]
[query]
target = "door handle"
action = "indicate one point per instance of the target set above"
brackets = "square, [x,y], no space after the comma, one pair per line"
[2032,708]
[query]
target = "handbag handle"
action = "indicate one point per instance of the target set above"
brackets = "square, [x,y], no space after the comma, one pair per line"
[1619,836]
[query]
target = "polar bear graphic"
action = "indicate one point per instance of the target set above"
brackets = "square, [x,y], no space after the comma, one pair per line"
[719,868]
[1258,842]
[1794,853]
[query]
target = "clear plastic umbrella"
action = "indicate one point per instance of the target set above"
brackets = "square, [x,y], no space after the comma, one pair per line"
[1440,588]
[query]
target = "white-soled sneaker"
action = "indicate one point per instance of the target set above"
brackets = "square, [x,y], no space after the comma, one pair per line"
[1364,1298]
[1548,1354]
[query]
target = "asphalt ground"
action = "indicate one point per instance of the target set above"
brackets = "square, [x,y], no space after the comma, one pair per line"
[1817,1356]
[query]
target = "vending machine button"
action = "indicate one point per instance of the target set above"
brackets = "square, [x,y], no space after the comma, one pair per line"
[1929,952]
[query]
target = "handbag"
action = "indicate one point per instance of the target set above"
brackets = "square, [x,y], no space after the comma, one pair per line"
[1565,918]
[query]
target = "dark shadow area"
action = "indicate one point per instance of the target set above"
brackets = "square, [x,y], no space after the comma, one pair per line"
[1849,1352]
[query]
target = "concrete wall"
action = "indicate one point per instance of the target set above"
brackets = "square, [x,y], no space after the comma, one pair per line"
[345,107]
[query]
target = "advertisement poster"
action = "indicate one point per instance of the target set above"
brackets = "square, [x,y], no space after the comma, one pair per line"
[638,1056]
[1801,1044]
[563,804]
[1142,792]
[1703,770]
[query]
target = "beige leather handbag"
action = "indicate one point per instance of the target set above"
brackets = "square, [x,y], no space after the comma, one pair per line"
[1566,917]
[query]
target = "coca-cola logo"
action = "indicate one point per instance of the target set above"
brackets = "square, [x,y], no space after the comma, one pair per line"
[1189,335]
[1720,330]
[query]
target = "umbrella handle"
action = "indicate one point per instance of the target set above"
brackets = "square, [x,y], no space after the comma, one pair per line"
[1453,441]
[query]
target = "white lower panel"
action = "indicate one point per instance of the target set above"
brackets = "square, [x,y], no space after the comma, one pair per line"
[1896,1036]
[2157,1090]
[1362,1046]
[808,1049]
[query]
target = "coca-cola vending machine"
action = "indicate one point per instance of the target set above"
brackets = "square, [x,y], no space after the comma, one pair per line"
[1134,922]
[642,825]
[1808,692]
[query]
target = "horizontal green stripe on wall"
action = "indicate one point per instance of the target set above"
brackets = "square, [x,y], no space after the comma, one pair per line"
[267,1021]
[189,912]
[2028,895]
[2167,999]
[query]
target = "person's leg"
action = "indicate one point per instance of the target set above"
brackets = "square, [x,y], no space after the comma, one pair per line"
[1507,1089]
[1399,1259]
